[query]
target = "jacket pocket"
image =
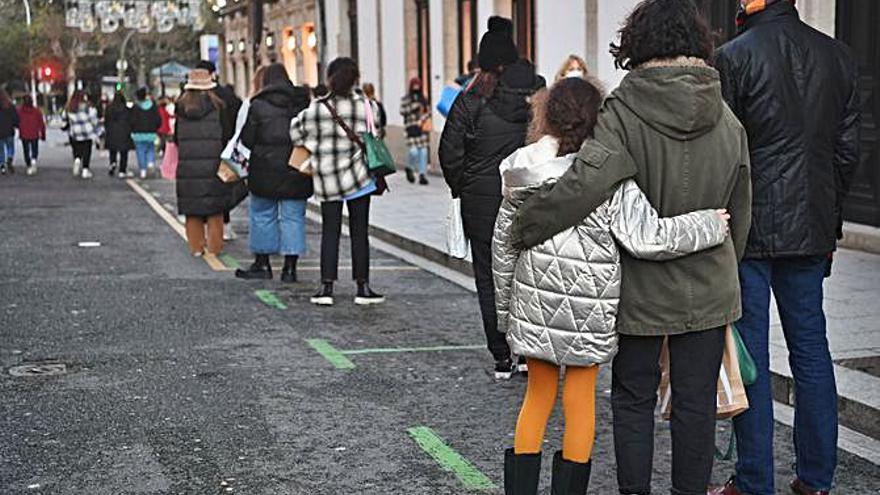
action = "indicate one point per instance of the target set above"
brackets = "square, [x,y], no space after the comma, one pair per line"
[594,153]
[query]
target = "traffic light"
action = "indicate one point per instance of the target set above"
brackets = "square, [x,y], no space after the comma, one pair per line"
[47,72]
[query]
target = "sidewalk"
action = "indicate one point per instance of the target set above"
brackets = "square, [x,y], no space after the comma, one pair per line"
[413,218]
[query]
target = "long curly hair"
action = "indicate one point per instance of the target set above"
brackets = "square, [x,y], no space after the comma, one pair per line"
[568,111]
[662,29]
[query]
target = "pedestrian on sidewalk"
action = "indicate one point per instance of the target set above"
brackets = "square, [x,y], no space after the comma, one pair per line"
[165,130]
[117,131]
[381,116]
[202,127]
[415,111]
[803,130]
[544,294]
[31,130]
[573,66]
[145,123]
[341,177]
[278,191]
[81,123]
[488,122]
[689,151]
[8,123]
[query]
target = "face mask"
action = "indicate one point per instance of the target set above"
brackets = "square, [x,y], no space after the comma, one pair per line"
[575,73]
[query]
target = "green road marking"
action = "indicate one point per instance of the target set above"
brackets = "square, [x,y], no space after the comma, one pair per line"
[389,350]
[449,459]
[229,261]
[331,354]
[269,299]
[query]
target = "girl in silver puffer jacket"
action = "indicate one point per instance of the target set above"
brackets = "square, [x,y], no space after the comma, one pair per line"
[557,302]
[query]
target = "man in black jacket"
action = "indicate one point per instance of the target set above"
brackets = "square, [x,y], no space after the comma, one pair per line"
[795,91]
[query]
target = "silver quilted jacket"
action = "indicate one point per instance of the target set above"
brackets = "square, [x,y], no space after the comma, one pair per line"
[558,301]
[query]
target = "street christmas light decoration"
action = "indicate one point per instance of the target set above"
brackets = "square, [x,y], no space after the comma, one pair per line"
[141,15]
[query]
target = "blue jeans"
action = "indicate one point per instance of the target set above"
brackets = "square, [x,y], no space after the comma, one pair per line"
[418,160]
[277,226]
[146,153]
[797,285]
[7,149]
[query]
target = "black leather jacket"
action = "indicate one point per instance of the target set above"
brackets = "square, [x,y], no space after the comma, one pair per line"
[795,91]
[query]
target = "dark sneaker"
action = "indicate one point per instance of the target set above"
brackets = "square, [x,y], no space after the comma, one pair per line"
[324,297]
[259,270]
[504,369]
[366,296]
[423,180]
[522,366]
[410,176]
[112,170]
[3,169]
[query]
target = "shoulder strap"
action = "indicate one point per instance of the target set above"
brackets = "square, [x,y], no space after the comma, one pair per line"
[348,132]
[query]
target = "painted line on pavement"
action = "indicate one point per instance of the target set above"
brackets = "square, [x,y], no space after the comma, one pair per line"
[449,459]
[391,350]
[331,354]
[229,263]
[269,298]
[226,266]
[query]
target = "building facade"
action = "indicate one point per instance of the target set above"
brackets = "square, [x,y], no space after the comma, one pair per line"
[395,40]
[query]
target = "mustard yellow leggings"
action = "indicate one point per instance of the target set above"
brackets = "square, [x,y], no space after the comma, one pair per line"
[578,404]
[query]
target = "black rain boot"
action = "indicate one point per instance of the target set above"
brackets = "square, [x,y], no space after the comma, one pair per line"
[259,270]
[288,273]
[521,473]
[569,477]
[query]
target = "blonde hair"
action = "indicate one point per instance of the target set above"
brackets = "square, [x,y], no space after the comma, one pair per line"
[563,70]
[257,81]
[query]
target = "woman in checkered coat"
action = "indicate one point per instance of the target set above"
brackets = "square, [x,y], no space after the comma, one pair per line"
[340,176]
[414,108]
[81,123]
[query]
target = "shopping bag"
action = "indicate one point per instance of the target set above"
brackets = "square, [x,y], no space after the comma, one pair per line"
[301,160]
[747,367]
[227,173]
[169,161]
[447,98]
[457,244]
[380,162]
[731,396]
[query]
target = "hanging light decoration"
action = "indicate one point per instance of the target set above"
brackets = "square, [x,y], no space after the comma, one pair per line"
[141,15]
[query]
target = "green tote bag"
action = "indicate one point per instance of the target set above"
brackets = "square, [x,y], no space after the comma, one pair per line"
[747,368]
[379,159]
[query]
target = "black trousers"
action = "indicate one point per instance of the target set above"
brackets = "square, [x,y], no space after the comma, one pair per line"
[478,216]
[122,156]
[695,360]
[331,231]
[31,149]
[83,151]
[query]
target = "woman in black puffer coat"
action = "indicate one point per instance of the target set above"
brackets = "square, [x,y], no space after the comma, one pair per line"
[488,122]
[117,125]
[278,191]
[202,128]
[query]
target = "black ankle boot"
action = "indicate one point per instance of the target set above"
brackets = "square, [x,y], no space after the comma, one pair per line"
[288,273]
[521,473]
[410,176]
[569,477]
[366,296]
[324,297]
[259,270]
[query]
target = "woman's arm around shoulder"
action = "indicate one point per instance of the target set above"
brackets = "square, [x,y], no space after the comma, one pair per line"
[639,229]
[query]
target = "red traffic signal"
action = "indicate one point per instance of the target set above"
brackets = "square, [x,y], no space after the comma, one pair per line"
[47,71]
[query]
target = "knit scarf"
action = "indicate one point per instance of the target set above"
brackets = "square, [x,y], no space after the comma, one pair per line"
[752,7]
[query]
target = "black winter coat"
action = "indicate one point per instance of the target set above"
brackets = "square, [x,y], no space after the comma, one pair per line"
[8,121]
[267,134]
[479,133]
[144,120]
[117,125]
[201,130]
[795,91]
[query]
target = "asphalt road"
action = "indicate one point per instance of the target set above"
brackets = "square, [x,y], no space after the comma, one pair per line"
[181,380]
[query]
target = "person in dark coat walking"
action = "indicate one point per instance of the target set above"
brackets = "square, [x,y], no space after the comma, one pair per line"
[486,124]
[795,91]
[8,123]
[278,191]
[31,129]
[202,128]
[145,123]
[117,132]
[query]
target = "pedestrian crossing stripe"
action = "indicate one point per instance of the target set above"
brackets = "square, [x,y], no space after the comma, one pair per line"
[449,459]
[331,354]
[337,357]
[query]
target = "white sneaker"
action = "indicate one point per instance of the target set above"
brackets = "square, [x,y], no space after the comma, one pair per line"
[77,167]
[32,170]
[228,233]
[151,165]
[143,174]
[121,175]
[86,173]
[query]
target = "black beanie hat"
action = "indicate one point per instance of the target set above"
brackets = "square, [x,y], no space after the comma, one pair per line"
[497,47]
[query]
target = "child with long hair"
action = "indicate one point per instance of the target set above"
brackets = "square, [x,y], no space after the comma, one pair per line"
[557,302]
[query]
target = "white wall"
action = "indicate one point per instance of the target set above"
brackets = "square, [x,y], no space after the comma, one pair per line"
[334,18]
[485,10]
[611,15]
[369,46]
[438,56]
[560,32]
[393,58]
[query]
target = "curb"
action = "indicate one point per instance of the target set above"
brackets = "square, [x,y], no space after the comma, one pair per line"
[853,413]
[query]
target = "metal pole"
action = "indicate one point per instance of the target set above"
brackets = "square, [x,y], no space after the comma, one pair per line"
[122,64]
[27,14]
